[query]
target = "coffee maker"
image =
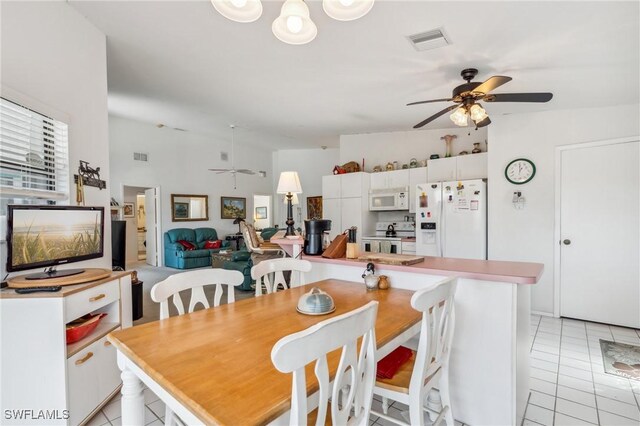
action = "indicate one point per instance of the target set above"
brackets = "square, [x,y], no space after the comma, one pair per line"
[315,232]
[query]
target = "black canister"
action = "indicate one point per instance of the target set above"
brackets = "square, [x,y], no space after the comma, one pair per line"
[352,234]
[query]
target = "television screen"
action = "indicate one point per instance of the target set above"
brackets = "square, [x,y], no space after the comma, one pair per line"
[41,236]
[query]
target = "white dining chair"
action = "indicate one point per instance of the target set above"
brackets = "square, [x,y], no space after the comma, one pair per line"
[194,281]
[269,274]
[429,366]
[356,369]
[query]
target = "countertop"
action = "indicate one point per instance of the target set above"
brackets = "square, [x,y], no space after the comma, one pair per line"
[486,270]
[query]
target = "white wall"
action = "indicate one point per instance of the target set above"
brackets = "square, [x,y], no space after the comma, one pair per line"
[528,235]
[311,165]
[178,164]
[54,61]
[381,148]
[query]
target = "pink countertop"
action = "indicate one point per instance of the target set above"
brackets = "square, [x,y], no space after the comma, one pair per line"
[486,270]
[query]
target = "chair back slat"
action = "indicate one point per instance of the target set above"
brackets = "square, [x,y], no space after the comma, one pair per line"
[436,331]
[269,274]
[195,281]
[292,353]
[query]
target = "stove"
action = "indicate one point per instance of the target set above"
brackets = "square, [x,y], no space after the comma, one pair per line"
[380,243]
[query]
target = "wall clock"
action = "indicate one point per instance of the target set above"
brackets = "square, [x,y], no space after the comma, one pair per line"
[520,171]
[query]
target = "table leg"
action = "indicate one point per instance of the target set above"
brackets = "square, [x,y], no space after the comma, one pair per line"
[132,399]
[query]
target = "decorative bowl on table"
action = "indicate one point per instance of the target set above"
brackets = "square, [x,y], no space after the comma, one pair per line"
[81,327]
[316,302]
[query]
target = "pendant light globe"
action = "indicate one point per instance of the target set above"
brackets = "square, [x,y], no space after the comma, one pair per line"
[243,11]
[294,25]
[347,10]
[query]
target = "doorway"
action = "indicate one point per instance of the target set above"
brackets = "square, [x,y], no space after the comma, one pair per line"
[598,232]
[142,224]
[262,211]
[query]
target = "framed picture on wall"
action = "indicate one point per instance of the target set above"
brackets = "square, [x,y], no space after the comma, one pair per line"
[314,207]
[128,210]
[261,213]
[180,210]
[233,207]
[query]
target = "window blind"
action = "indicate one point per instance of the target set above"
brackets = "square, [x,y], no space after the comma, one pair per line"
[34,154]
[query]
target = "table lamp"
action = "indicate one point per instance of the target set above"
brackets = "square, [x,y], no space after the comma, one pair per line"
[289,184]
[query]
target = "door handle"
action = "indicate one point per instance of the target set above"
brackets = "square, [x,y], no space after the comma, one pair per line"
[566,242]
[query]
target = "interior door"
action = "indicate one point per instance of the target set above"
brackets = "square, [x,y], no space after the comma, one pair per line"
[152,208]
[599,229]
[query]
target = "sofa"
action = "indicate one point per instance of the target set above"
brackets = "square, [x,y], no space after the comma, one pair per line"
[175,255]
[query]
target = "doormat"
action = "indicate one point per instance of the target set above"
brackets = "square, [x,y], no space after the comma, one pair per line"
[621,359]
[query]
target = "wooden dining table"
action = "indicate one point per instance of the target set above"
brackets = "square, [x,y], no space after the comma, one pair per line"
[213,366]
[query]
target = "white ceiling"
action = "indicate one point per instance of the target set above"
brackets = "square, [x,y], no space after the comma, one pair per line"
[183,64]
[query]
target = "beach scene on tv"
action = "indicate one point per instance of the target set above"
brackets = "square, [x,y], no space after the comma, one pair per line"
[46,235]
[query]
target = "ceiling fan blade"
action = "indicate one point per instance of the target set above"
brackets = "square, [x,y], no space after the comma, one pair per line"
[519,97]
[220,170]
[427,102]
[434,116]
[246,171]
[492,83]
[483,123]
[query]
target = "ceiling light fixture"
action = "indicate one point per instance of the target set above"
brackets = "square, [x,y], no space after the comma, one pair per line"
[462,114]
[294,25]
[239,10]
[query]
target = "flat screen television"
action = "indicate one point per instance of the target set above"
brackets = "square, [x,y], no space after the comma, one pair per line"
[46,236]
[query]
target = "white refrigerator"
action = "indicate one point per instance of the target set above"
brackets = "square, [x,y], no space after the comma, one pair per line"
[451,219]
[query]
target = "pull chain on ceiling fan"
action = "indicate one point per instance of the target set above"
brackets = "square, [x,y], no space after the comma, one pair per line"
[468,96]
[233,170]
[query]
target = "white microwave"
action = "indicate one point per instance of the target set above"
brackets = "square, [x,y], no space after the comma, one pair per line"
[389,199]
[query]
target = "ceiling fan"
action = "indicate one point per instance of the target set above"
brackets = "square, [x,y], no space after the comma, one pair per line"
[233,171]
[467,97]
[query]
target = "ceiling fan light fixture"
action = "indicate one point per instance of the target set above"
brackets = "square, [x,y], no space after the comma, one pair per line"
[243,11]
[294,25]
[477,113]
[347,10]
[459,117]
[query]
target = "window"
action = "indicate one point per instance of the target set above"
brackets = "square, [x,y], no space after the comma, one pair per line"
[34,156]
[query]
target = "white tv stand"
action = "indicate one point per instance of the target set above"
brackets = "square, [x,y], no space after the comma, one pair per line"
[40,372]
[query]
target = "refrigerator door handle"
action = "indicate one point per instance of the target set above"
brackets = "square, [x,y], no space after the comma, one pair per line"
[442,222]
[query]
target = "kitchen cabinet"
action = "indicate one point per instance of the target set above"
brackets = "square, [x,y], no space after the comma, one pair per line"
[79,377]
[390,180]
[462,167]
[345,202]
[416,176]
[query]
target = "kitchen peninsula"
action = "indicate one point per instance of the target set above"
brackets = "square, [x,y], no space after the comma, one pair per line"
[490,352]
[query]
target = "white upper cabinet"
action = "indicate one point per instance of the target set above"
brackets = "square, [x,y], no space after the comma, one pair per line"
[331,186]
[472,166]
[390,179]
[352,185]
[416,176]
[462,167]
[441,169]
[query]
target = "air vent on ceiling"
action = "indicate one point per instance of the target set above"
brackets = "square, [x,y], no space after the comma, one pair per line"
[429,39]
[224,156]
[140,156]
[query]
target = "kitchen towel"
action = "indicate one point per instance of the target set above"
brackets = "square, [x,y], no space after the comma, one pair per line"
[385,246]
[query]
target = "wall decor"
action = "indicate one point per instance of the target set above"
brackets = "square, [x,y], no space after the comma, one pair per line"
[181,210]
[90,176]
[128,210]
[520,171]
[189,207]
[261,213]
[314,207]
[233,208]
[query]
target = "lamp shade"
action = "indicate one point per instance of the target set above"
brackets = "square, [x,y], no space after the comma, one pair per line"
[347,10]
[294,199]
[289,182]
[239,10]
[294,25]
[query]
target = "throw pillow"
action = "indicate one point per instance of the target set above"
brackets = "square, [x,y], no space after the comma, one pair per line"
[213,244]
[187,245]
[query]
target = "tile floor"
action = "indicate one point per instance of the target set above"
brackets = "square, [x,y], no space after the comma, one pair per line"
[568,382]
